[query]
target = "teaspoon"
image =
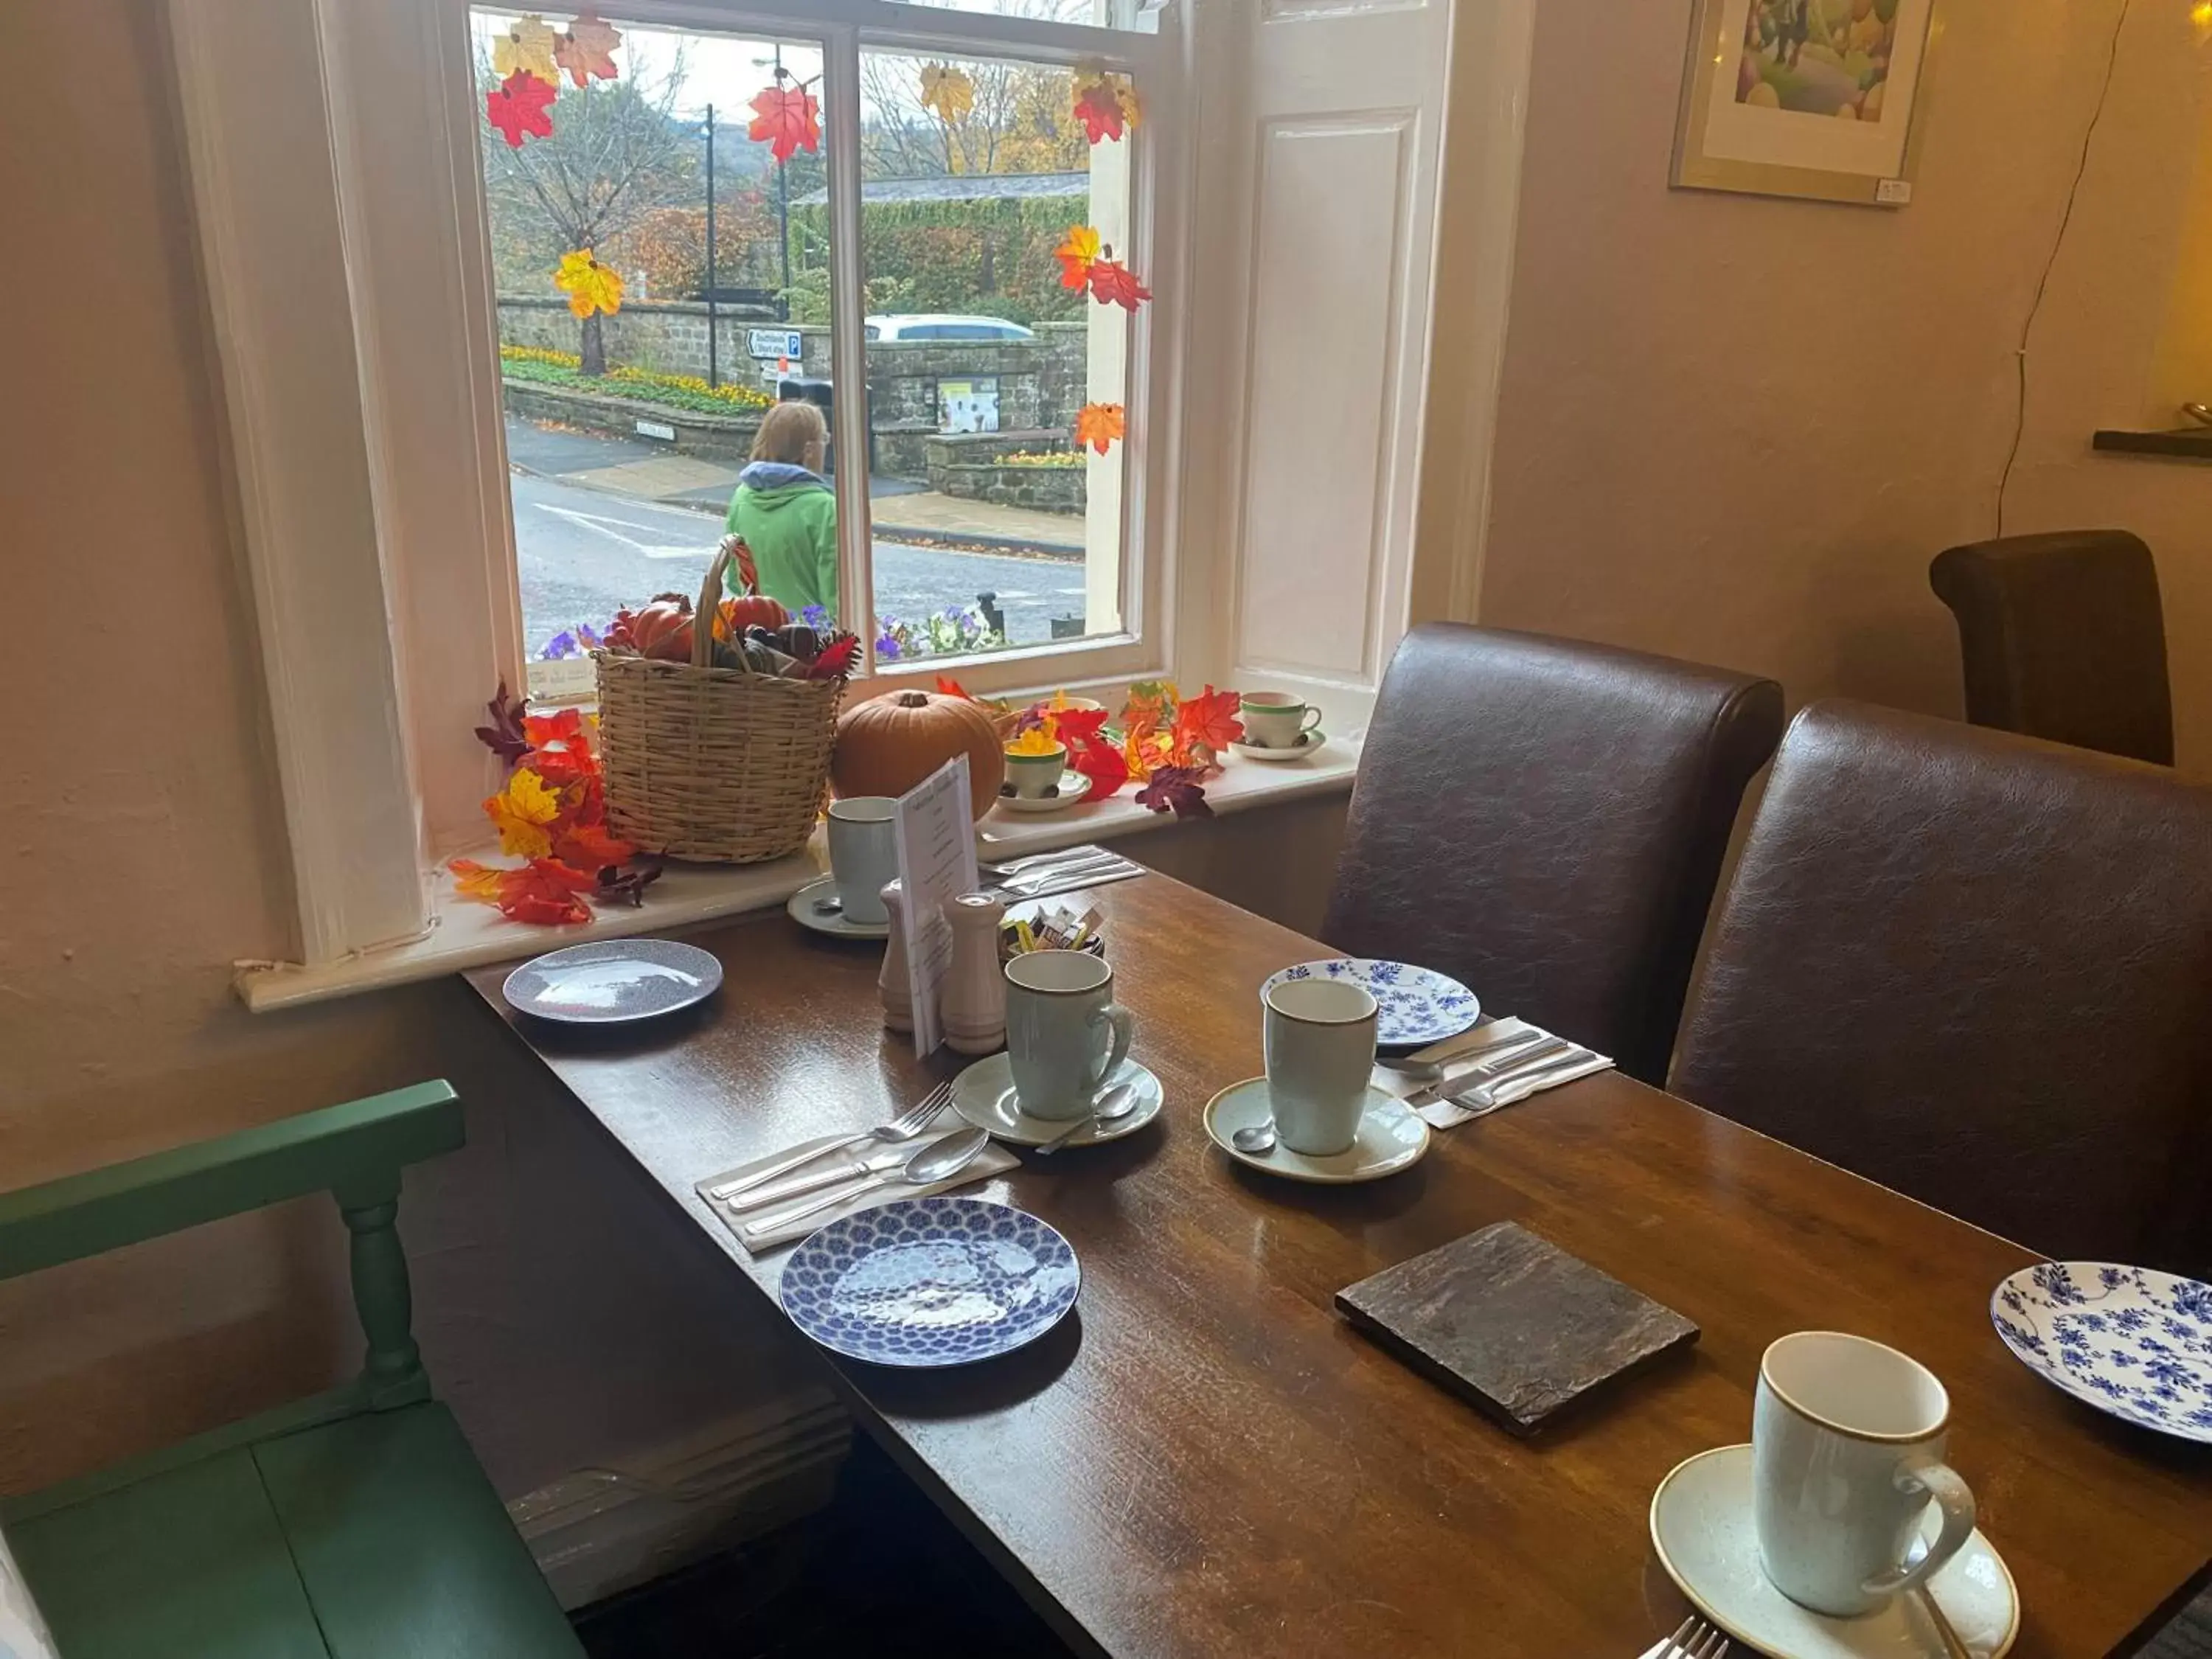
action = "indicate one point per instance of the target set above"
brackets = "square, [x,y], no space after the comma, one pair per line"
[1116,1103]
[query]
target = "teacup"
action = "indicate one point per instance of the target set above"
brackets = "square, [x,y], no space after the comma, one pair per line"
[1065,1033]
[863,854]
[1319,1034]
[1276,719]
[1847,1453]
[1032,774]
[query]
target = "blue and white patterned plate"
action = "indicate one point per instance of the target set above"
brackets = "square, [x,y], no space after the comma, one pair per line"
[931,1281]
[612,980]
[2130,1341]
[1415,1006]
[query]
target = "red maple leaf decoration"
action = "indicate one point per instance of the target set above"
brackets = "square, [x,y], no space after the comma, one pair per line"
[590,847]
[1113,283]
[1177,789]
[520,105]
[1099,106]
[787,119]
[1210,720]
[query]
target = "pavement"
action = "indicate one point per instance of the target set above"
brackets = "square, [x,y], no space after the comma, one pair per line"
[648,472]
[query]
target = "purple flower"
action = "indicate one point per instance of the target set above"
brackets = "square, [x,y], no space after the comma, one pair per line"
[562,644]
[588,636]
[886,646]
[815,617]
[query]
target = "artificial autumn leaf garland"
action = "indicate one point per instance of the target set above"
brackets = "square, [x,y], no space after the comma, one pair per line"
[1105,102]
[787,119]
[1086,262]
[552,813]
[589,285]
[1098,425]
[947,92]
[528,59]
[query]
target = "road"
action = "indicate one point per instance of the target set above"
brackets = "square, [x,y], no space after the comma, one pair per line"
[583,553]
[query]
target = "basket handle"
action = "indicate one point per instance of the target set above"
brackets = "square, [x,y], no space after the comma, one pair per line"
[710,600]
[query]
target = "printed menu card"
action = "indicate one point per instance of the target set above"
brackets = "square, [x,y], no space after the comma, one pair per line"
[936,863]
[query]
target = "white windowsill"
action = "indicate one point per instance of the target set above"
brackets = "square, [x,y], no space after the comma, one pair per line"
[465,934]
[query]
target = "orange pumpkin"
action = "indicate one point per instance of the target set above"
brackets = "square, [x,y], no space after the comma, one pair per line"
[745,610]
[888,745]
[663,629]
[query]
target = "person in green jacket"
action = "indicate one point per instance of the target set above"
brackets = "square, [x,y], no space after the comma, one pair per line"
[787,512]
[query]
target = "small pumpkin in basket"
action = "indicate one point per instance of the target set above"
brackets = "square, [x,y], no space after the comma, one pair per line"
[888,745]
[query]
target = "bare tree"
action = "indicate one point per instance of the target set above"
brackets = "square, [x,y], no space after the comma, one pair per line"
[618,152]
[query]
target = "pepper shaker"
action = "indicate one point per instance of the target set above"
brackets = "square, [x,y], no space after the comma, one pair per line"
[894,984]
[974,1007]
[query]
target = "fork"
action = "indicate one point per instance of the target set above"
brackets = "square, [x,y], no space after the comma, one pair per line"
[905,1126]
[1078,853]
[1696,1639]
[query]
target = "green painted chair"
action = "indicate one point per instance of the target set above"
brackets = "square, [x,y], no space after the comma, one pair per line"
[354,1525]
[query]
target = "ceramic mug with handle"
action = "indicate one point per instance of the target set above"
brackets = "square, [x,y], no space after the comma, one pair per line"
[1276,719]
[1065,1033]
[1848,1438]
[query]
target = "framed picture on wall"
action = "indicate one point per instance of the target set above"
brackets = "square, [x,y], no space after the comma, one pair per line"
[1812,98]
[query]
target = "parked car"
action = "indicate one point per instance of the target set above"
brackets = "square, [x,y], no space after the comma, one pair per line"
[943,326]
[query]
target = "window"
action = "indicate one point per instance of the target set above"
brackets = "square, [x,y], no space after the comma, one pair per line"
[677,225]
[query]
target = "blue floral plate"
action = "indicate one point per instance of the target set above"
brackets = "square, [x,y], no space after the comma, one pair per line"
[611,981]
[931,1281]
[1415,1006]
[2131,1341]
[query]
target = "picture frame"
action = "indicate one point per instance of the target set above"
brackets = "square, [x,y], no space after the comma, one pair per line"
[1777,95]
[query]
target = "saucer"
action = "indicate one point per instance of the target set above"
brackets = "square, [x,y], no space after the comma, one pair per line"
[1391,1138]
[2131,1341]
[1307,743]
[984,1095]
[1074,787]
[611,981]
[801,909]
[1701,1527]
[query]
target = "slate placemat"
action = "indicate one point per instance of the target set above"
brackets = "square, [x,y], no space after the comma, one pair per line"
[1513,1323]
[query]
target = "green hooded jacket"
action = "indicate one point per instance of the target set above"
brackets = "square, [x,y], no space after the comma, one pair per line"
[788,517]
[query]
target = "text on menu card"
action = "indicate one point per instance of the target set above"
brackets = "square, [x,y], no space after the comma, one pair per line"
[936,863]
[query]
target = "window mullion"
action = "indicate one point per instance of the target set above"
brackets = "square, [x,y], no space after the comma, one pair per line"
[841,101]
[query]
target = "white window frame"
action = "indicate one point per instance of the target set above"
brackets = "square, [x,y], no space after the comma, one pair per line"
[336,183]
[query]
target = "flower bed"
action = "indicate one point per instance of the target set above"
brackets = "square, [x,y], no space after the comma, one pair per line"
[540,367]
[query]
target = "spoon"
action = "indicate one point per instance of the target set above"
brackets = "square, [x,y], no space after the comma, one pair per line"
[1117,1101]
[828,906]
[939,1161]
[1257,1138]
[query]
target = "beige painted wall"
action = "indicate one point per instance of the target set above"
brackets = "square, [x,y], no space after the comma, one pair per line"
[1737,428]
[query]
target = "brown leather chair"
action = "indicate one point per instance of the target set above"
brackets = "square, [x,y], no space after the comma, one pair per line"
[1544,819]
[1976,968]
[2064,638]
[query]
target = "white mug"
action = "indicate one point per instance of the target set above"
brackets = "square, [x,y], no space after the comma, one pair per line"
[1320,1040]
[863,854]
[1065,1033]
[1847,1453]
[1276,719]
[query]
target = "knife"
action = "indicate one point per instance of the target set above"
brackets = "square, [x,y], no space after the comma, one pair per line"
[1527,1080]
[1538,1057]
[832,1175]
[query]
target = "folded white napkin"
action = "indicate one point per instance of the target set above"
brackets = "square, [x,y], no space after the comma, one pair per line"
[758,1229]
[1466,1050]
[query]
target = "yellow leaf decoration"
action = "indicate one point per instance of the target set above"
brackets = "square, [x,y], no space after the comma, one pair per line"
[1105,102]
[522,810]
[587,49]
[527,46]
[1077,254]
[947,90]
[589,285]
[1037,740]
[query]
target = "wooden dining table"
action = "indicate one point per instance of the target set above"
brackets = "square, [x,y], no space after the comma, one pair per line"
[1205,1459]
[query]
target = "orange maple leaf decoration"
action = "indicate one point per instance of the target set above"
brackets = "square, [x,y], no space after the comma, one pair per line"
[1207,722]
[788,118]
[586,49]
[1098,425]
[520,105]
[1113,283]
[1076,255]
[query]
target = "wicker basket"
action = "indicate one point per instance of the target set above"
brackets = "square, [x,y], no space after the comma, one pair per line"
[716,763]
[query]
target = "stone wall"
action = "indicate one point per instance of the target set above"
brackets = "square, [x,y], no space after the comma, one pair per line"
[968,465]
[1040,381]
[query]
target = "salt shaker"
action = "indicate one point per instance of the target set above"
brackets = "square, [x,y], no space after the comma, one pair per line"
[973,1008]
[895,986]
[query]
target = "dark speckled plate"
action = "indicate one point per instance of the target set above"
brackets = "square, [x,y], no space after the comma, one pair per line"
[613,980]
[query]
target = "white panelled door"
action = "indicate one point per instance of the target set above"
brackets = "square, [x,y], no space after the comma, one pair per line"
[1316,285]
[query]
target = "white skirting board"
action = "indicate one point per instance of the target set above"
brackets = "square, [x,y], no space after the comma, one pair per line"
[601,1530]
